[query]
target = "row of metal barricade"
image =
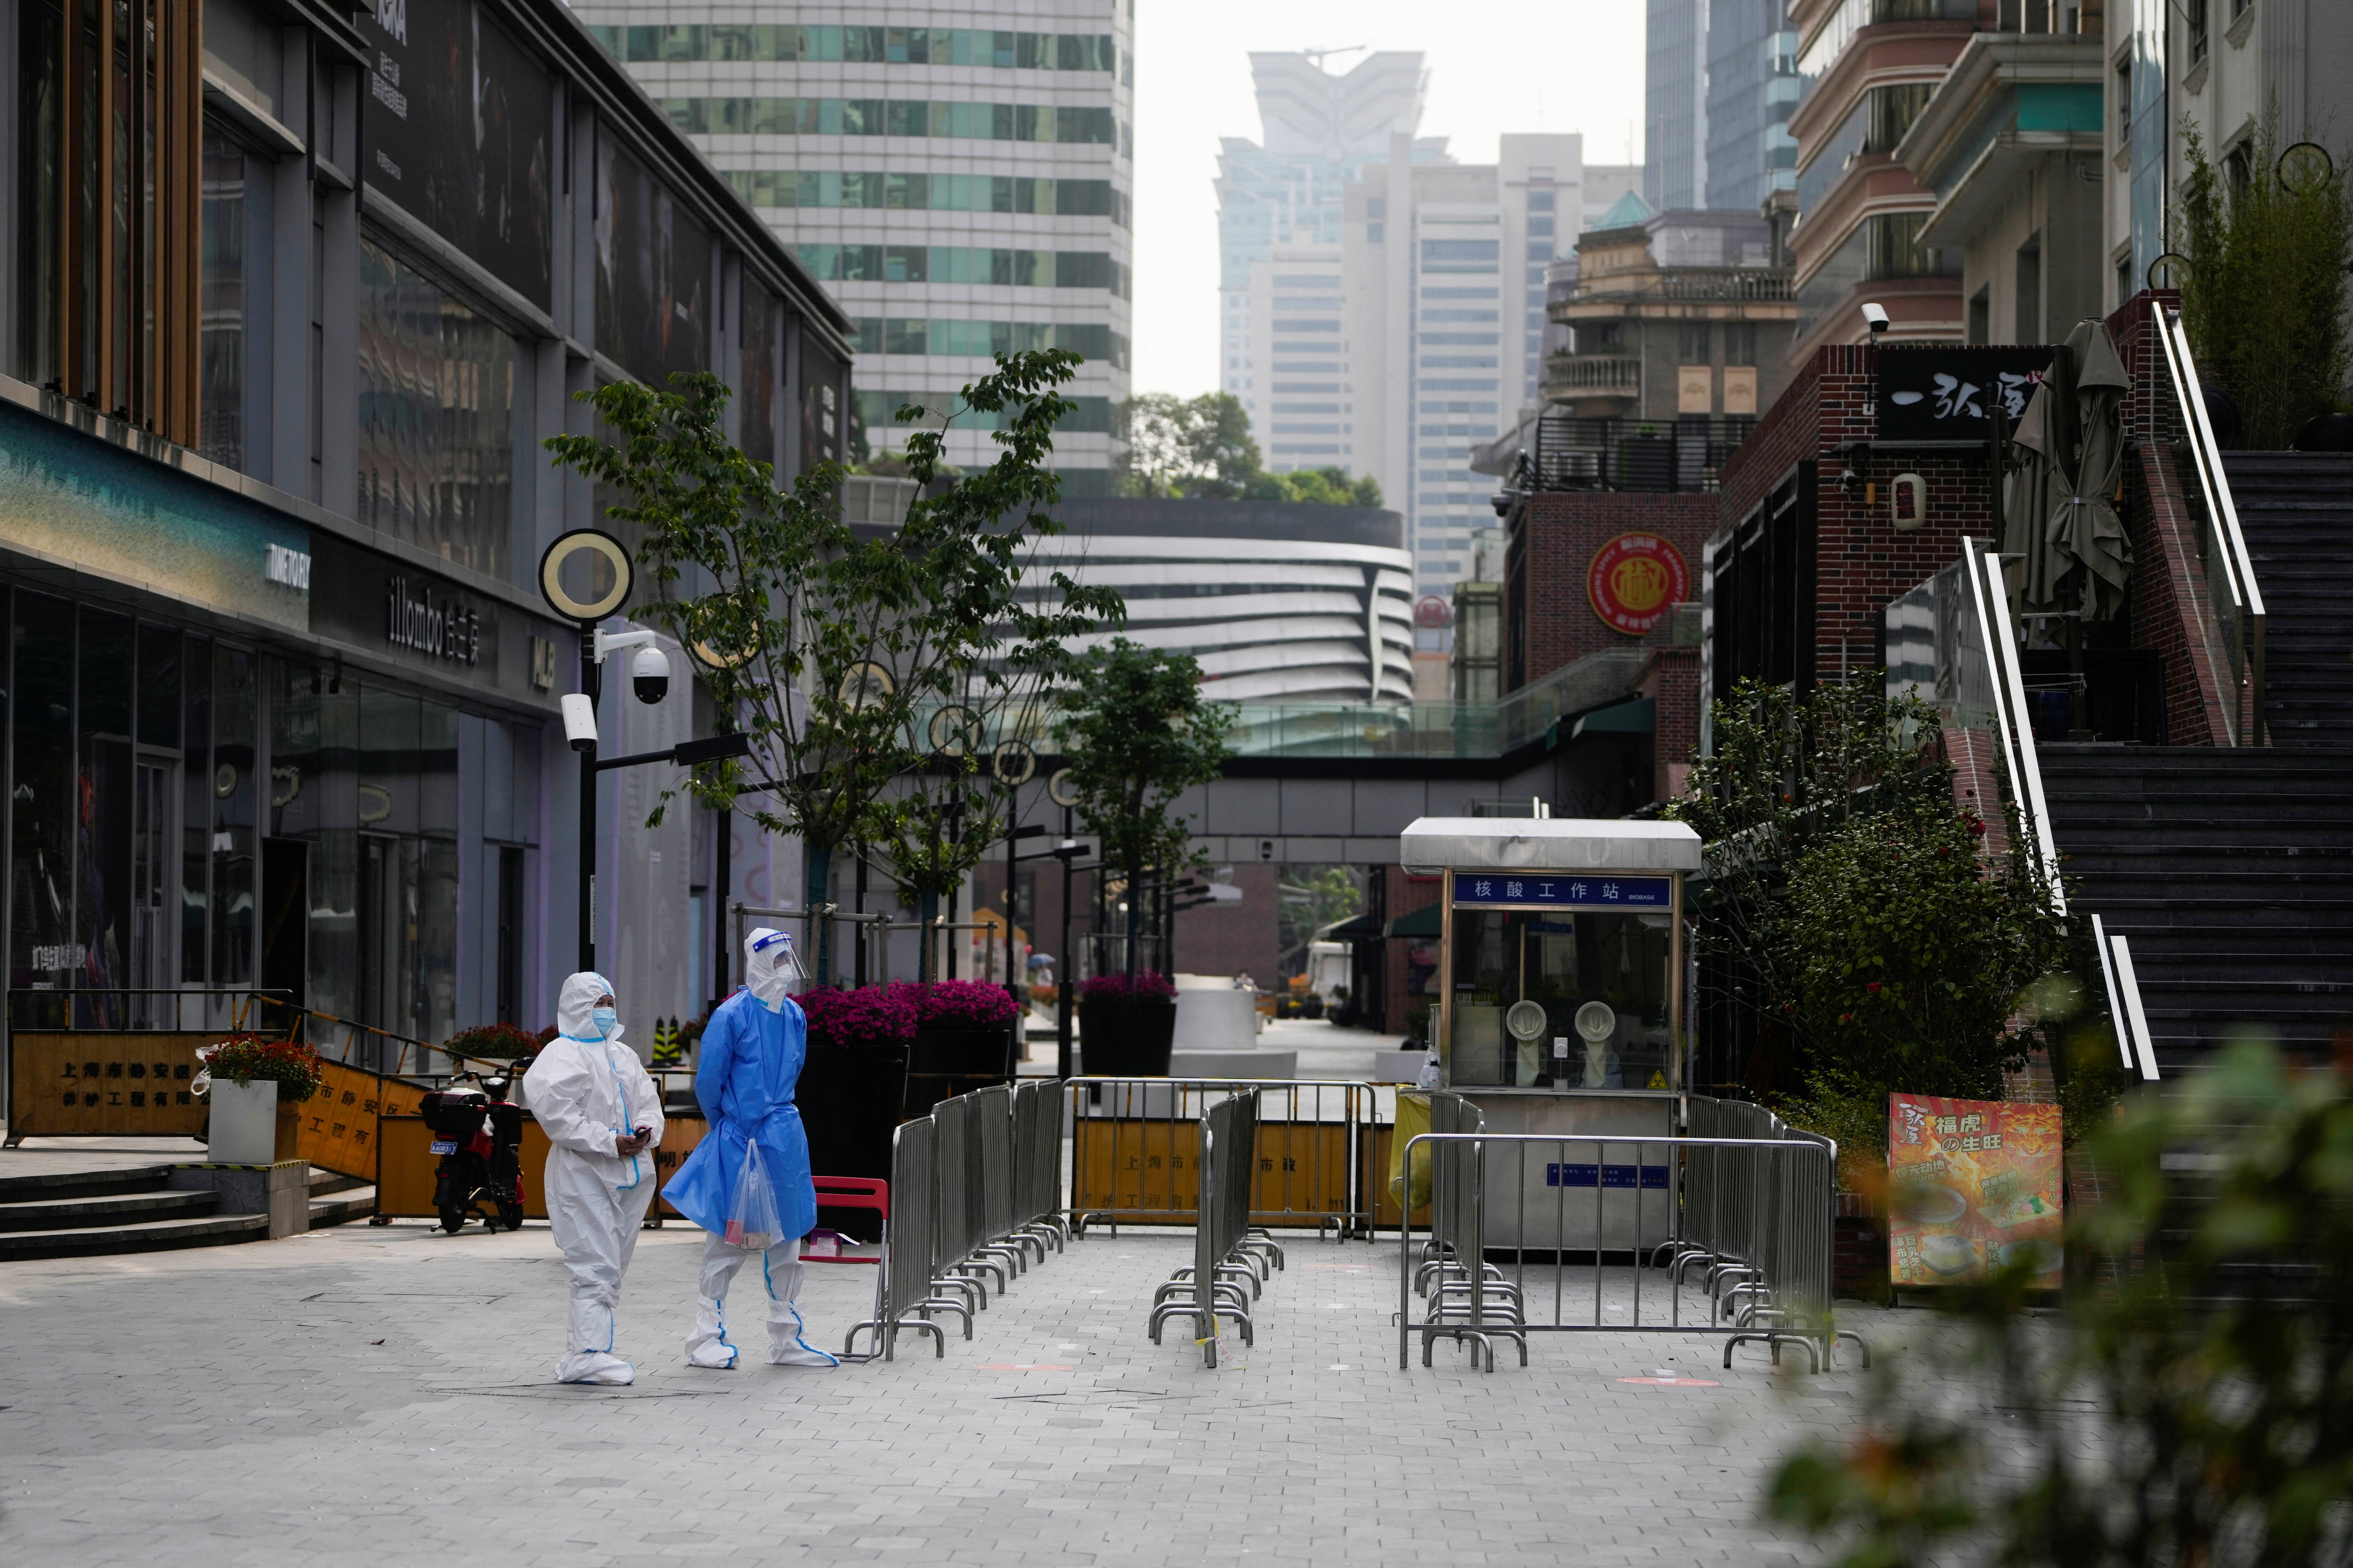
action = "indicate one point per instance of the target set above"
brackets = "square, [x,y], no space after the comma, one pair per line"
[1724,1231]
[975,1201]
[1232,1259]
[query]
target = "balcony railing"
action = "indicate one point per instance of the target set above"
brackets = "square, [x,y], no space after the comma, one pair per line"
[1593,376]
[1736,283]
[1681,454]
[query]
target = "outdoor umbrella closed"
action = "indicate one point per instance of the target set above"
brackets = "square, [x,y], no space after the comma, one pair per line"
[2034,568]
[2083,524]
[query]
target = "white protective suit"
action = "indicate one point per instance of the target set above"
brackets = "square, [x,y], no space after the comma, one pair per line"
[751,1059]
[586,1090]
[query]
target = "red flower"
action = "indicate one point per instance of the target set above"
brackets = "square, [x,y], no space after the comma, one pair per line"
[1873,988]
[1844,1016]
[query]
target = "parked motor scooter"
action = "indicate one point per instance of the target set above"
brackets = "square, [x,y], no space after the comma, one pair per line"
[478,1132]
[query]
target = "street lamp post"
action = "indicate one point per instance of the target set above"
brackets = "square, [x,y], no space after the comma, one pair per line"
[586,575]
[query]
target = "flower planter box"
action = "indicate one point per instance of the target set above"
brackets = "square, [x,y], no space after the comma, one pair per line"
[1127,1038]
[244,1126]
[946,1062]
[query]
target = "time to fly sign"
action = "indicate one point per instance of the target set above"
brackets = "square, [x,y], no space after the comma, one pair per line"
[1633,580]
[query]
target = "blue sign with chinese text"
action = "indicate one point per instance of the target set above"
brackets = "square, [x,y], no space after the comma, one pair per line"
[1577,889]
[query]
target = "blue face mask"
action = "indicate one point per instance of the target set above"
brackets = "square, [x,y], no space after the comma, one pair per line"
[604,1018]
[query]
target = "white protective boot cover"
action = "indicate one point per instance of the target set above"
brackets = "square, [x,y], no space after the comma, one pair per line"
[787,1335]
[588,1349]
[708,1345]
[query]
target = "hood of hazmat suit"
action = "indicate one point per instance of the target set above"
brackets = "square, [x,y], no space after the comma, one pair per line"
[770,968]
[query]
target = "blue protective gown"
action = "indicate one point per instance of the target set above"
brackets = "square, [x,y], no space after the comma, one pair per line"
[749,1061]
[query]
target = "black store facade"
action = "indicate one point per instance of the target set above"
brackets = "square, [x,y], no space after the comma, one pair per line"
[280,693]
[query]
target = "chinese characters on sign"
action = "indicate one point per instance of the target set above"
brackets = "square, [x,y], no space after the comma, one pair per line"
[1941,393]
[1633,580]
[1576,891]
[1973,1188]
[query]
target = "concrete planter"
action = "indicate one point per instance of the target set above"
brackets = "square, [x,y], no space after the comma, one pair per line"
[244,1123]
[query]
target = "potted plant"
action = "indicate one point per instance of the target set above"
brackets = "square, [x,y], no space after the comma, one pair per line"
[963,1039]
[852,1087]
[493,1042]
[253,1086]
[1128,1027]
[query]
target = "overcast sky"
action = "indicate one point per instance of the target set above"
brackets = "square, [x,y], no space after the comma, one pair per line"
[1494,66]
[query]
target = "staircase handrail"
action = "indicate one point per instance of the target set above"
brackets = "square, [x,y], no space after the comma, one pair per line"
[2126,1016]
[2222,517]
[1990,598]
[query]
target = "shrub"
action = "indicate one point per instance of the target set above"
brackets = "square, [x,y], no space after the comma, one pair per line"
[958,1004]
[2263,300]
[1148,986]
[492,1042]
[292,1065]
[869,1016]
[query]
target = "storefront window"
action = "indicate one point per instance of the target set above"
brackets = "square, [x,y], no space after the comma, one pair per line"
[196,815]
[40,893]
[435,417]
[102,814]
[1525,978]
[234,845]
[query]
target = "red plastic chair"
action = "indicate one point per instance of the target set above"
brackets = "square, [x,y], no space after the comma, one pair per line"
[853,1193]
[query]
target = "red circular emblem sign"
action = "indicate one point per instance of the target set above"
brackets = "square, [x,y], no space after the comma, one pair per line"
[1634,579]
[1433,611]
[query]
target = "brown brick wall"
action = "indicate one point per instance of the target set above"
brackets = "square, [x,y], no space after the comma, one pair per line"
[1671,682]
[1558,535]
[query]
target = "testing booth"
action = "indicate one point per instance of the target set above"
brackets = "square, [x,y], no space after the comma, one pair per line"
[1561,981]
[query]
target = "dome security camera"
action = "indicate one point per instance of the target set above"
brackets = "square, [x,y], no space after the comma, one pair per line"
[649,675]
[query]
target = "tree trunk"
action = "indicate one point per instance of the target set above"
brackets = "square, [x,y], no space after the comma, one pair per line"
[928,910]
[815,886]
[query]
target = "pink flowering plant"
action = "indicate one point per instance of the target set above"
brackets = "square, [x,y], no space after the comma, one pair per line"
[869,1016]
[1148,986]
[959,1004]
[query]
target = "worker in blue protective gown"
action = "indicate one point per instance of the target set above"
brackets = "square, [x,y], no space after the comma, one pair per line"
[602,1118]
[745,1069]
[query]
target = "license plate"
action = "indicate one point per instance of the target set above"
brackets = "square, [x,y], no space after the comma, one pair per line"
[445,1145]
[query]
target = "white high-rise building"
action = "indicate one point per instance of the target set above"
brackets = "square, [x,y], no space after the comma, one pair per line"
[960,176]
[1381,306]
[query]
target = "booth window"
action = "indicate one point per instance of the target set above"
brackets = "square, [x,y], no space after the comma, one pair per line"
[1597,978]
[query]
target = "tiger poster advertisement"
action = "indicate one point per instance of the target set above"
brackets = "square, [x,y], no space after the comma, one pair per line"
[1973,1188]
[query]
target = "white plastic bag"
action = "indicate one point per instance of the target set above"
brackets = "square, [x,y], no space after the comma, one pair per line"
[753,1223]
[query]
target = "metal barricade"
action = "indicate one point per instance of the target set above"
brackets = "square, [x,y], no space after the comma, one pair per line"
[903,1297]
[1134,1155]
[1037,1162]
[1231,1263]
[1511,1227]
[989,1119]
[954,1268]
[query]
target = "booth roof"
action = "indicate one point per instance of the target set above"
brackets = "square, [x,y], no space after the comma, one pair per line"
[1545,844]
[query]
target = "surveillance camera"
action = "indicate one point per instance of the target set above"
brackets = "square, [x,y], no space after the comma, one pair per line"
[1875,317]
[649,674]
[580,721]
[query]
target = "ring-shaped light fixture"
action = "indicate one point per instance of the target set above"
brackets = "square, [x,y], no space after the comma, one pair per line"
[1014,764]
[862,684]
[953,729]
[567,548]
[2304,167]
[1060,790]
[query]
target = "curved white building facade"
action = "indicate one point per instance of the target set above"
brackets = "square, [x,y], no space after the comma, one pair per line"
[1278,601]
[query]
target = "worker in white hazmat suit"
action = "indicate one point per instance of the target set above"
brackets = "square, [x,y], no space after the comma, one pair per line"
[746,1067]
[602,1119]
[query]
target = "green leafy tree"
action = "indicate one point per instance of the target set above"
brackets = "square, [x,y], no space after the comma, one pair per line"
[1314,899]
[1851,893]
[822,644]
[1137,733]
[2265,298]
[2190,1409]
[1199,447]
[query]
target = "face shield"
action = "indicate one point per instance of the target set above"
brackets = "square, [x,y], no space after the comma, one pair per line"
[772,969]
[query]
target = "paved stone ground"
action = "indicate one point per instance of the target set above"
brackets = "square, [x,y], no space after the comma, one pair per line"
[364,1395]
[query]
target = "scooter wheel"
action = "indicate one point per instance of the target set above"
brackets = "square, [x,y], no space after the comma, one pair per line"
[453,1220]
[510,1215]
